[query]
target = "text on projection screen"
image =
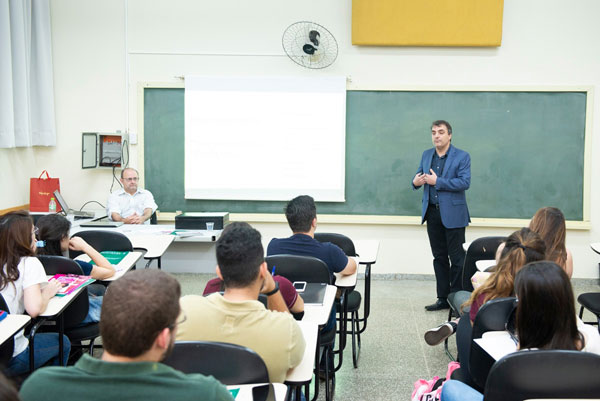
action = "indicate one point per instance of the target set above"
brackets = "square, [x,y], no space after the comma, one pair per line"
[265,138]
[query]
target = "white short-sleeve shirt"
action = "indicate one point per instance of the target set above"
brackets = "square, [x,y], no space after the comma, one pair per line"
[31,272]
[126,205]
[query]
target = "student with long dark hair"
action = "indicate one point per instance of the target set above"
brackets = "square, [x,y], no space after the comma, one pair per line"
[546,316]
[25,288]
[546,319]
[54,229]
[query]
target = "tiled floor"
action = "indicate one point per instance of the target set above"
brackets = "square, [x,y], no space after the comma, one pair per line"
[394,354]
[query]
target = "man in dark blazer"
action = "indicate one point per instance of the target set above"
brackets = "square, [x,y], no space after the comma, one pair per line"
[445,174]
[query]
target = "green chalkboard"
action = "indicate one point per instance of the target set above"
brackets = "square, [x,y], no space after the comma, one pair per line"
[527,151]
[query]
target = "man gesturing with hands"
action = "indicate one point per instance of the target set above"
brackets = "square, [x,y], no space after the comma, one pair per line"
[445,175]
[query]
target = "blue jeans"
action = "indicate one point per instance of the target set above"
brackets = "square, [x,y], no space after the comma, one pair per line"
[455,390]
[45,349]
[95,307]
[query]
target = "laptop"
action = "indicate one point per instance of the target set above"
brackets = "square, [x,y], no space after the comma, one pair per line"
[101,222]
[68,211]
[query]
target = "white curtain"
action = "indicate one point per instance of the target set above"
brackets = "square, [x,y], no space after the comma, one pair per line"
[26,80]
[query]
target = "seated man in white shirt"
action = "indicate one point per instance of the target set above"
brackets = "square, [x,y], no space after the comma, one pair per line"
[131,205]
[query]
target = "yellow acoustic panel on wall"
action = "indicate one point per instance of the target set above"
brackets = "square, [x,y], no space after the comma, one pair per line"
[427,22]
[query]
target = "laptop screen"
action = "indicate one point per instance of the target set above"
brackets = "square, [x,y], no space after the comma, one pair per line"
[61,202]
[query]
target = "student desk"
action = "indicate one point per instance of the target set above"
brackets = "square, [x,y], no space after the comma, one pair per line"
[303,373]
[245,391]
[317,313]
[11,326]
[154,245]
[54,312]
[123,267]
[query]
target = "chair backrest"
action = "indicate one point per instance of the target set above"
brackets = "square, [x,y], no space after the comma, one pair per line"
[8,347]
[492,316]
[299,268]
[544,374]
[483,248]
[228,363]
[340,240]
[103,240]
[78,309]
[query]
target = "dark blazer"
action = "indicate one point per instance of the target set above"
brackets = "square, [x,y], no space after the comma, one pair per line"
[451,187]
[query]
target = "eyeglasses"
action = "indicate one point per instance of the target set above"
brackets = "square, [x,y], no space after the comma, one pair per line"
[182,318]
[131,179]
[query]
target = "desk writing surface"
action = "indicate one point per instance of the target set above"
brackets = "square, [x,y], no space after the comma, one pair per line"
[58,304]
[386,133]
[347,280]
[155,245]
[245,391]
[303,372]
[319,313]
[123,267]
[11,325]
[367,250]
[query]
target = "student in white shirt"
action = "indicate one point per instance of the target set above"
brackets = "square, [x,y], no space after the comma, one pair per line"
[24,287]
[131,205]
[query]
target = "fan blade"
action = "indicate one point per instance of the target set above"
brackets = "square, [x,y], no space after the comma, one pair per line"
[314,37]
[309,49]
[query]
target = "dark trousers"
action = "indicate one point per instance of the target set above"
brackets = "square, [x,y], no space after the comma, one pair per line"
[447,250]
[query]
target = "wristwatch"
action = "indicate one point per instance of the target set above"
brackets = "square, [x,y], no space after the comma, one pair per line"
[274,290]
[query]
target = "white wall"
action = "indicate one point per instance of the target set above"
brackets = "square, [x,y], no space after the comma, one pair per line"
[102,49]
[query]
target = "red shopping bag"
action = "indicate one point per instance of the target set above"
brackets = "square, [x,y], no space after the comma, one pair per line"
[40,192]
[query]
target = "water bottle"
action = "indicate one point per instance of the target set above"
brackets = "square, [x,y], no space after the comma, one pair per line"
[52,206]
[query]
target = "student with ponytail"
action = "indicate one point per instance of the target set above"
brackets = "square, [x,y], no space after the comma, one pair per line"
[521,247]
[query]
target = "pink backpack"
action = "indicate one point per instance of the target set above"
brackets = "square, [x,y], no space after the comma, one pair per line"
[431,390]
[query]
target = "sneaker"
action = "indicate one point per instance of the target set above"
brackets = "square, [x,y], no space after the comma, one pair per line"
[439,334]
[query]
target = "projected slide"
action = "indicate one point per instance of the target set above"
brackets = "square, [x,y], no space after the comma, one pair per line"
[265,138]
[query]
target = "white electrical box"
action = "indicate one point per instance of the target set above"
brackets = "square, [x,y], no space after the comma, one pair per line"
[104,150]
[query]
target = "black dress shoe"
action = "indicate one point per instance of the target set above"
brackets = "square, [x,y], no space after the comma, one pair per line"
[438,305]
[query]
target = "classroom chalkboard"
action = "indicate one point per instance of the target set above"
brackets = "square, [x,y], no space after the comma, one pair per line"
[527,151]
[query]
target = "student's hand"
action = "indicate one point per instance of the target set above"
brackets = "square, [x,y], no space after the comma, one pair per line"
[431,179]
[78,244]
[419,180]
[51,288]
[268,284]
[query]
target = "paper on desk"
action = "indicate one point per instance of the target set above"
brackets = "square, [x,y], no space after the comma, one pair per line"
[497,343]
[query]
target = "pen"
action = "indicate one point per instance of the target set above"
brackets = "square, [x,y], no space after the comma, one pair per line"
[273,271]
